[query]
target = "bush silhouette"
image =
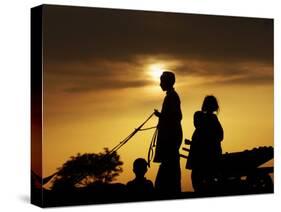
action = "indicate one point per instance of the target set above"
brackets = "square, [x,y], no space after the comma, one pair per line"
[86,169]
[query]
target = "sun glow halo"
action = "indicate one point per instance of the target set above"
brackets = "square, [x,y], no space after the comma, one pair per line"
[156,71]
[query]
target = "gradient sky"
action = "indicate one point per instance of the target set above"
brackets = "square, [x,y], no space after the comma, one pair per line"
[101,70]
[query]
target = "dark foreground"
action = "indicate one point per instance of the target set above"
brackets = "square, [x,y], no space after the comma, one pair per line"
[116,193]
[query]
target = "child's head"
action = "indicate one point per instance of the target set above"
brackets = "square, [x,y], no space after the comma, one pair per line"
[167,80]
[140,167]
[210,104]
[198,119]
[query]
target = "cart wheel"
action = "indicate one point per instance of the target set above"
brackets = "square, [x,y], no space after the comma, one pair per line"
[260,183]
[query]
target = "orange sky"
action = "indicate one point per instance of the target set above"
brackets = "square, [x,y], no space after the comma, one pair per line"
[97,89]
[88,122]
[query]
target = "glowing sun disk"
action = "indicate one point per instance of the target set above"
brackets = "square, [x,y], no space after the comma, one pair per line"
[156,71]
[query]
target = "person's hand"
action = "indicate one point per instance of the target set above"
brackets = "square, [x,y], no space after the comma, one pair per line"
[156,113]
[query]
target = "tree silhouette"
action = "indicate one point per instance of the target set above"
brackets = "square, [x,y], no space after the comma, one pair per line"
[85,169]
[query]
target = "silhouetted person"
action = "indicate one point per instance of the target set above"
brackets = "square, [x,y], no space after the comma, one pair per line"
[140,185]
[169,138]
[206,148]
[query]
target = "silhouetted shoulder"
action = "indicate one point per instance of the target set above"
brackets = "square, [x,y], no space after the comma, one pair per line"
[213,116]
[149,186]
[140,186]
[149,183]
[174,96]
[198,113]
[198,118]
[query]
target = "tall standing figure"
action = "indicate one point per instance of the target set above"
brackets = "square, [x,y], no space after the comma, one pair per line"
[168,179]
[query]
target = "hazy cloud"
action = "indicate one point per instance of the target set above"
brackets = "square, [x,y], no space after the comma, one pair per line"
[75,34]
[106,84]
[89,49]
[237,72]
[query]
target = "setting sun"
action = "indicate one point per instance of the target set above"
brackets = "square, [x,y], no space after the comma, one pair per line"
[156,71]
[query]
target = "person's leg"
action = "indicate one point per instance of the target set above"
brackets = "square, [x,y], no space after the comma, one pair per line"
[159,184]
[168,179]
[175,176]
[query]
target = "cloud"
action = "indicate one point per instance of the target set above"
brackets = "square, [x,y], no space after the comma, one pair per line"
[94,76]
[108,75]
[248,80]
[105,85]
[88,49]
[221,72]
[81,34]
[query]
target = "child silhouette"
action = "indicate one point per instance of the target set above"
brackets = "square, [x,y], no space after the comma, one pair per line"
[140,184]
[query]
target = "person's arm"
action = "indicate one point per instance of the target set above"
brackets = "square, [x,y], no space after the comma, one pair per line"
[171,109]
[197,119]
[157,113]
